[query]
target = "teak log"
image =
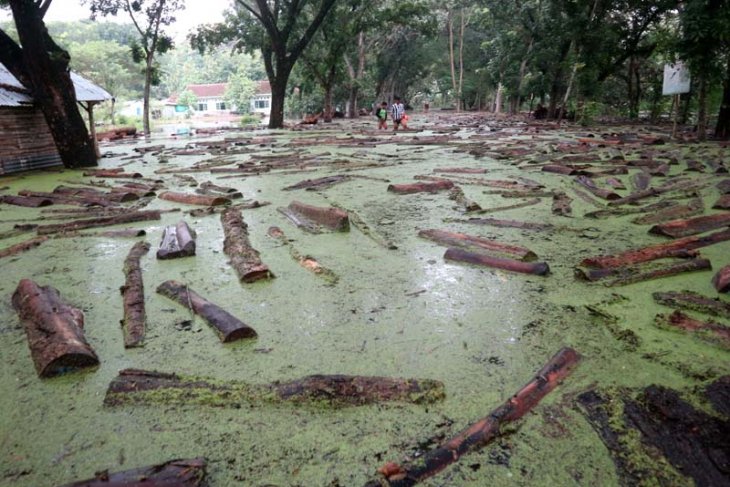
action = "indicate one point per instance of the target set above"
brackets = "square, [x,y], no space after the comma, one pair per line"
[309,217]
[125,233]
[561,204]
[495,222]
[457,194]
[641,180]
[592,274]
[112,173]
[131,217]
[723,203]
[694,207]
[177,241]
[22,246]
[668,271]
[81,200]
[134,386]
[94,194]
[244,258]
[715,333]
[461,255]
[420,187]
[228,327]
[455,239]
[55,330]
[653,252]
[460,170]
[483,431]
[692,226]
[724,186]
[319,183]
[175,473]
[721,280]
[220,189]
[27,201]
[559,169]
[606,194]
[694,302]
[194,199]
[134,321]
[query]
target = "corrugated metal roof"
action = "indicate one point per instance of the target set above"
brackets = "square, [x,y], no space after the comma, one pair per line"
[14,94]
[88,91]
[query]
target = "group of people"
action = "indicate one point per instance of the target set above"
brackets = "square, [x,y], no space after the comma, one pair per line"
[397,114]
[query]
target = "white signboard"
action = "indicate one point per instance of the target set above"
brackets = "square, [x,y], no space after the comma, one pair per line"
[676,79]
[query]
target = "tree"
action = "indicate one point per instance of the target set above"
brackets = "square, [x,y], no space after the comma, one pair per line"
[42,66]
[239,92]
[149,17]
[187,99]
[281,30]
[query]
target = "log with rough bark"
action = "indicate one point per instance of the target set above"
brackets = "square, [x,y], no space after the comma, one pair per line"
[723,203]
[306,261]
[560,169]
[244,258]
[455,239]
[694,207]
[55,330]
[461,255]
[312,218]
[692,265]
[492,183]
[483,431]
[22,246]
[494,222]
[177,241]
[95,194]
[714,333]
[561,204]
[692,226]
[615,183]
[653,252]
[124,233]
[220,189]
[174,473]
[695,302]
[60,199]
[724,186]
[112,173]
[641,180]
[588,183]
[420,187]
[194,199]
[131,217]
[457,194]
[319,183]
[228,327]
[134,386]
[27,201]
[134,321]
[721,280]
[460,170]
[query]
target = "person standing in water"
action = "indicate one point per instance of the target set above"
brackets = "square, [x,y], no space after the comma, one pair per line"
[396,112]
[381,112]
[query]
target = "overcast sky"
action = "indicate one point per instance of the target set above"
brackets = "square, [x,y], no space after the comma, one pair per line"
[196,12]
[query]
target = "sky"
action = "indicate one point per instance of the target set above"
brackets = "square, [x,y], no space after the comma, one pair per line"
[196,12]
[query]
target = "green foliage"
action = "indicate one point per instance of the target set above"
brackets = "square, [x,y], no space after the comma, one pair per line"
[250,119]
[239,91]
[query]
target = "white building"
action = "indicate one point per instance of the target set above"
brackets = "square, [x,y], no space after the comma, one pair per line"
[261,100]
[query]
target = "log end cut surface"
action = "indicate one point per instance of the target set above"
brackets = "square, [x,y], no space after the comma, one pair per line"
[174,473]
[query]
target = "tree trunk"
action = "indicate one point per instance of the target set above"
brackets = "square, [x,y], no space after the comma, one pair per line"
[460,86]
[722,129]
[328,110]
[278,96]
[498,99]
[146,102]
[244,258]
[702,110]
[135,317]
[45,65]
[450,25]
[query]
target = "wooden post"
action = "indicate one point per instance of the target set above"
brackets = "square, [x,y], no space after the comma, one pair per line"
[675,106]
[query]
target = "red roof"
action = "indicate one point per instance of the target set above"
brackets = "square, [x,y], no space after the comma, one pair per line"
[263,87]
[208,90]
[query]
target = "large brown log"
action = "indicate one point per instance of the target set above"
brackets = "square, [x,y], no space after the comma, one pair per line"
[244,258]
[694,207]
[177,241]
[27,201]
[175,473]
[724,186]
[695,302]
[653,252]
[455,239]
[55,330]
[723,203]
[310,218]
[134,386]
[461,255]
[60,199]
[22,246]
[318,183]
[116,173]
[560,169]
[592,274]
[194,199]
[495,222]
[135,318]
[715,333]
[131,217]
[228,327]
[693,226]
[460,170]
[420,187]
[721,280]
[483,431]
[588,183]
[692,265]
[94,194]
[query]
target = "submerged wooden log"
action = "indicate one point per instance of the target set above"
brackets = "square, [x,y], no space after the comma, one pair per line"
[507,223]
[84,192]
[194,199]
[175,473]
[694,207]
[318,183]
[593,275]
[461,255]
[134,386]
[27,201]
[244,258]
[693,226]
[455,239]
[306,261]
[559,169]
[641,180]
[310,218]
[460,170]
[721,280]
[483,431]
[588,183]
[55,330]
[695,302]
[22,246]
[723,203]
[420,187]
[177,241]
[124,233]
[220,189]
[561,204]
[135,317]
[228,327]
[724,186]
[61,199]
[715,333]
[653,252]
[131,217]
[112,173]
[457,194]
[693,265]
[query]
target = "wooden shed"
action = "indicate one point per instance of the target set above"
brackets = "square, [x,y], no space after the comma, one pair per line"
[25,141]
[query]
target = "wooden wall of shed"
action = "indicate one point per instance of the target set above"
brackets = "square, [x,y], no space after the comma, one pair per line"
[25,141]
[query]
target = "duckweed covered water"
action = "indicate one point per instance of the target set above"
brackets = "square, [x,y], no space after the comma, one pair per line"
[403,312]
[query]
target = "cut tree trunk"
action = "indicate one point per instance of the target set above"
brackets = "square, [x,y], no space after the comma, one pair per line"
[483,431]
[177,241]
[135,318]
[244,258]
[194,199]
[668,271]
[693,226]
[420,187]
[22,246]
[714,333]
[641,180]
[457,194]
[723,203]
[588,183]
[134,386]
[310,218]
[721,280]
[494,222]
[461,255]
[175,473]
[454,239]
[27,201]
[694,207]
[694,302]
[228,327]
[60,199]
[319,183]
[55,330]
[131,217]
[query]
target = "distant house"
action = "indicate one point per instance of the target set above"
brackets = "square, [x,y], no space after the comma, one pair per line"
[26,141]
[211,100]
[261,100]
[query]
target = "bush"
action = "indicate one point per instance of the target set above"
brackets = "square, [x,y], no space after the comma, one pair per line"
[250,119]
